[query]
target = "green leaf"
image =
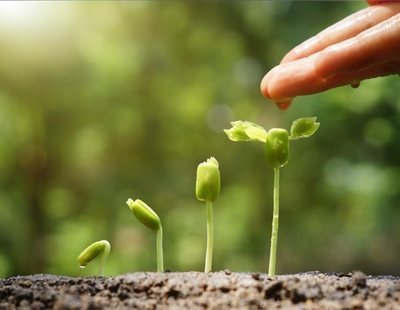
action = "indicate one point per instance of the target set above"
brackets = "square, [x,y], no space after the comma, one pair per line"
[144,214]
[246,131]
[303,128]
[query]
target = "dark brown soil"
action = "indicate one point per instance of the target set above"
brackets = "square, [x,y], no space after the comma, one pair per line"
[196,290]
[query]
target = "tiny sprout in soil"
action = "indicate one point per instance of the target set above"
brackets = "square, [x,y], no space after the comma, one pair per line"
[208,183]
[101,248]
[276,153]
[151,220]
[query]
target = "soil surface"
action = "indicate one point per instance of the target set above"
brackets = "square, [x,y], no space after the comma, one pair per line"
[196,290]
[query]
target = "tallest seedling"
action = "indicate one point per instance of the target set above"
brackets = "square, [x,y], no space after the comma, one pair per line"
[208,183]
[276,153]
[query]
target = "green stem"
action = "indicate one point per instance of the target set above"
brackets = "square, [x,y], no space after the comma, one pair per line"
[275,224]
[210,237]
[159,250]
[103,258]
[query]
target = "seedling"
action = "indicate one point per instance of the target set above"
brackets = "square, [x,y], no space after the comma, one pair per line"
[151,220]
[99,248]
[277,151]
[208,183]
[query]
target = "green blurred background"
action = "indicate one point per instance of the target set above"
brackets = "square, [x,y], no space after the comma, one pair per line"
[102,101]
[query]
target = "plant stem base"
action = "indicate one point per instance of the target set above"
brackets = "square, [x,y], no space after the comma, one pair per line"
[210,237]
[275,225]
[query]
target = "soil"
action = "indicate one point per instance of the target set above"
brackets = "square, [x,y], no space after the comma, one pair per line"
[196,290]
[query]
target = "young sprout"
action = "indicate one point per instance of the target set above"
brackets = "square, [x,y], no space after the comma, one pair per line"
[276,153]
[151,220]
[208,184]
[101,248]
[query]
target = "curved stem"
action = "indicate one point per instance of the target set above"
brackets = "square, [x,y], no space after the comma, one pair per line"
[275,225]
[210,237]
[159,250]
[103,257]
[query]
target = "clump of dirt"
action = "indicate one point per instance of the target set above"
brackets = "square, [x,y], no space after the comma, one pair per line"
[196,290]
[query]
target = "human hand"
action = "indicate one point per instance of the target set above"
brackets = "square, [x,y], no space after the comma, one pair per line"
[364,45]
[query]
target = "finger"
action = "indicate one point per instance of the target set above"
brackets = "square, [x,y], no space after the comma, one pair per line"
[377,45]
[353,78]
[299,78]
[291,79]
[372,2]
[343,30]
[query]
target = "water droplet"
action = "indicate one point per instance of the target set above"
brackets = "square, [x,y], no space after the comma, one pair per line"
[355,84]
[82,266]
[284,105]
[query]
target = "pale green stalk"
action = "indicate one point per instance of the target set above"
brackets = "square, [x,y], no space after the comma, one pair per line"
[103,258]
[159,250]
[275,224]
[210,237]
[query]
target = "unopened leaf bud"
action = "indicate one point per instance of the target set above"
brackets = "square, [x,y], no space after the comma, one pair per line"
[208,180]
[144,214]
[277,147]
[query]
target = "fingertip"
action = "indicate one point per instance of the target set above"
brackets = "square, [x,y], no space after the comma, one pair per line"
[303,50]
[264,86]
[287,58]
[283,104]
[291,56]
